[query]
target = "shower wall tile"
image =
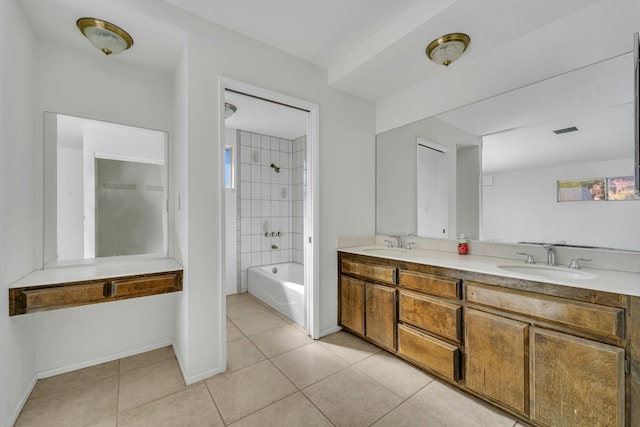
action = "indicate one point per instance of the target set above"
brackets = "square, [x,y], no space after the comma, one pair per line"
[268,201]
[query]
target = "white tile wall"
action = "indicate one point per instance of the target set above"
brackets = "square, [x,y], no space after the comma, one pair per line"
[270,202]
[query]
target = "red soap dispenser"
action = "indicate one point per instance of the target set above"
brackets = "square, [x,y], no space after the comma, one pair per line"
[463,245]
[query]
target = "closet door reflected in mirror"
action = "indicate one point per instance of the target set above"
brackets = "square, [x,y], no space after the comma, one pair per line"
[105,190]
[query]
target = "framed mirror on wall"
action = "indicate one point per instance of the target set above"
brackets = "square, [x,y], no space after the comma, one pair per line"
[105,191]
[572,127]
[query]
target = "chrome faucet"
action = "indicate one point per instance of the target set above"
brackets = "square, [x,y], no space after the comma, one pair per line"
[398,240]
[551,254]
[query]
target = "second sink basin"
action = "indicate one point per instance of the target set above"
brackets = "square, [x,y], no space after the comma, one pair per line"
[550,272]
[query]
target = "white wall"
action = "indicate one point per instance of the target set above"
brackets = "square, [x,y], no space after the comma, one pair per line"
[346,177]
[142,97]
[119,93]
[18,178]
[521,206]
[179,250]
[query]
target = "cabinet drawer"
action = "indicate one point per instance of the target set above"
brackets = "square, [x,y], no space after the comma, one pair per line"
[31,300]
[593,318]
[438,317]
[434,285]
[144,286]
[429,352]
[377,273]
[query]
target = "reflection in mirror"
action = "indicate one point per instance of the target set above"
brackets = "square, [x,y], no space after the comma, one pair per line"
[522,160]
[105,190]
[433,193]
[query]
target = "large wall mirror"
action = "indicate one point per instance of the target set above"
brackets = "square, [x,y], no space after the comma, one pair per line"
[105,191]
[512,155]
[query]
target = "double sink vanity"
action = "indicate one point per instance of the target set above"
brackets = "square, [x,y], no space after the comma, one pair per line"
[551,345]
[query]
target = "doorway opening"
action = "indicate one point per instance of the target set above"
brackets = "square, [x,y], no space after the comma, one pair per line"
[269,150]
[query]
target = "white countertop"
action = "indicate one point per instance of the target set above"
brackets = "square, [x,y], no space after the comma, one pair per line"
[97,271]
[605,280]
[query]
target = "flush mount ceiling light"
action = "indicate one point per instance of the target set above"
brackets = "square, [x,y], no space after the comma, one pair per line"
[109,38]
[229,109]
[447,49]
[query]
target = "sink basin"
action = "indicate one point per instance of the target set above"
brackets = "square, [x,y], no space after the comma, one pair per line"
[385,251]
[550,272]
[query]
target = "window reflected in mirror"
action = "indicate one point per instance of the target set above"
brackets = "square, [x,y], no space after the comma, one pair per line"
[105,190]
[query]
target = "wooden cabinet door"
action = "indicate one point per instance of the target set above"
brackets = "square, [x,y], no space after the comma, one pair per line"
[352,304]
[381,315]
[575,381]
[496,358]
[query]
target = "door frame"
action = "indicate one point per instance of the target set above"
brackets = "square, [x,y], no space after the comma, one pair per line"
[311,233]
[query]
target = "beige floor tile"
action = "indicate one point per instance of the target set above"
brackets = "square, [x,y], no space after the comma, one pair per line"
[107,422]
[295,410]
[348,346]
[256,323]
[238,298]
[148,383]
[88,403]
[451,407]
[309,364]
[233,333]
[190,407]
[242,353]
[407,415]
[394,373]
[69,381]
[244,309]
[240,393]
[352,398]
[146,359]
[280,340]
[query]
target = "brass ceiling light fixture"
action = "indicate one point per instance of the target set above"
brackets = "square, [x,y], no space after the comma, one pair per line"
[448,48]
[107,37]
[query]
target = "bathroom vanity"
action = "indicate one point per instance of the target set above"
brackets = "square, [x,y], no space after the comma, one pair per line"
[57,288]
[553,347]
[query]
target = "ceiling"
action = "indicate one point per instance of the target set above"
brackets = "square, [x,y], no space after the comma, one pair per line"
[370,48]
[373,49]
[265,117]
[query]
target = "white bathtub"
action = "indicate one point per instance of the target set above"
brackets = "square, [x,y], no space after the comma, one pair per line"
[281,286]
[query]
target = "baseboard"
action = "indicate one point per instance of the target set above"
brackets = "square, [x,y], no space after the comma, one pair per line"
[93,362]
[192,379]
[330,331]
[23,400]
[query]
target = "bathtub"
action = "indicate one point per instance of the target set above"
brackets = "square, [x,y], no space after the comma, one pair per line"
[281,286]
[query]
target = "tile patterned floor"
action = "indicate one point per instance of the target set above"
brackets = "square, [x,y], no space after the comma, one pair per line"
[276,376]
